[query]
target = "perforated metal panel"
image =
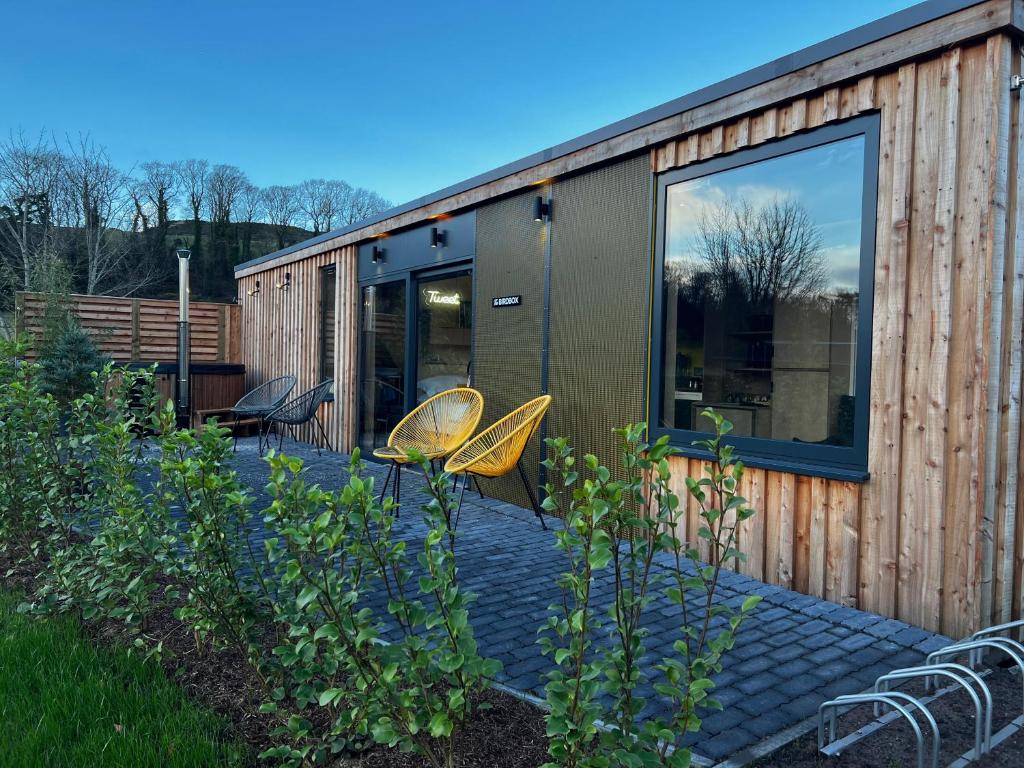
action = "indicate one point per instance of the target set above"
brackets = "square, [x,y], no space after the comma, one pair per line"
[507,341]
[600,272]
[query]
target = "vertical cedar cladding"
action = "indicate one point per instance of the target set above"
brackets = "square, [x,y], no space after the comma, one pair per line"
[507,341]
[600,283]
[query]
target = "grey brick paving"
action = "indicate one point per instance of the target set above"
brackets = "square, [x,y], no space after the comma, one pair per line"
[795,652]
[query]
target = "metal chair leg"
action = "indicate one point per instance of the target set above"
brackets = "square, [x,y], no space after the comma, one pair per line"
[533,499]
[260,437]
[323,434]
[398,490]
[234,435]
[458,511]
[390,469]
[478,488]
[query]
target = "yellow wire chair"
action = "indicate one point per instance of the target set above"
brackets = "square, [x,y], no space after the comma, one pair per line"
[435,428]
[499,449]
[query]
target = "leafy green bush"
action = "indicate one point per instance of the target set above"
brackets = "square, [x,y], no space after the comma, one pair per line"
[107,553]
[226,602]
[35,481]
[333,554]
[621,526]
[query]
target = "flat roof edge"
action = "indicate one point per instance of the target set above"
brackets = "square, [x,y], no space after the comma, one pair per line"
[900,21]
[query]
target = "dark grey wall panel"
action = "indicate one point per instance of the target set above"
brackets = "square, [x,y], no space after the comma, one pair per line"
[507,340]
[411,249]
[600,284]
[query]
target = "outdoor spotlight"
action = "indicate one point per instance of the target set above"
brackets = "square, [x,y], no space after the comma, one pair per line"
[287,282]
[255,290]
[541,208]
[377,255]
[436,237]
[184,253]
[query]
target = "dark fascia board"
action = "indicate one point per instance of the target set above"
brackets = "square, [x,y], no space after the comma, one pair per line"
[908,18]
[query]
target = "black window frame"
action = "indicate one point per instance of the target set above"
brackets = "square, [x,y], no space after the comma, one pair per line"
[837,462]
[327,269]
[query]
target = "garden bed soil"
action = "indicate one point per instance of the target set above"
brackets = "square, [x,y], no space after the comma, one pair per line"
[894,745]
[509,734]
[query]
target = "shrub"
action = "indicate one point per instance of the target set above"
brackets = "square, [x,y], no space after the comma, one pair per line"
[68,363]
[226,602]
[623,525]
[335,557]
[108,552]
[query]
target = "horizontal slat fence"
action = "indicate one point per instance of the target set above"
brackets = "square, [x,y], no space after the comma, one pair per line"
[131,329]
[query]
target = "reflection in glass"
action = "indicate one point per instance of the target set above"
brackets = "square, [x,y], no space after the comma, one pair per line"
[445,324]
[382,351]
[328,275]
[760,294]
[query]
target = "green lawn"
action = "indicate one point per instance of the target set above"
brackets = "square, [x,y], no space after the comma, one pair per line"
[65,702]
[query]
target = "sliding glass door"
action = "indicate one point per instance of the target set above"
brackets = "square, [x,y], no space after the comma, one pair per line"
[382,362]
[444,325]
[415,341]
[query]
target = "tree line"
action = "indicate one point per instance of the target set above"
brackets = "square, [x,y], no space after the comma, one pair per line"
[71,220]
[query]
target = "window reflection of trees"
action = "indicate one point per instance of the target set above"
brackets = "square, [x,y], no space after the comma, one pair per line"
[755,256]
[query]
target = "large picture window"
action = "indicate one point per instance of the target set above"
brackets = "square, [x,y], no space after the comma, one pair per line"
[765,262]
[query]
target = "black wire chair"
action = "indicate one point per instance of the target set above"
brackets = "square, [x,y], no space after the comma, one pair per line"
[298,411]
[258,403]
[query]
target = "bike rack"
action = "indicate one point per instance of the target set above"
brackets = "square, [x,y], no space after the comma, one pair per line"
[982,736]
[938,665]
[994,630]
[891,699]
[1009,647]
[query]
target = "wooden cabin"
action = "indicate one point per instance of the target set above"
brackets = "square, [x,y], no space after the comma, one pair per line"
[826,248]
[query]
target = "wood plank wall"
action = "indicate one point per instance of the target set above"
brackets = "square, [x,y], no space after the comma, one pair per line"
[911,541]
[131,329]
[932,538]
[281,329]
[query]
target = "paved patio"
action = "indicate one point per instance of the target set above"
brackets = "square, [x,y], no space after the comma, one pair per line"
[795,652]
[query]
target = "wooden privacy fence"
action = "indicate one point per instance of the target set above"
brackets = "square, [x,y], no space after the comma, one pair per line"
[130,329]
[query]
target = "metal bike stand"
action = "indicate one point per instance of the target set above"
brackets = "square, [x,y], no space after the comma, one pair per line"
[983,715]
[833,747]
[1000,644]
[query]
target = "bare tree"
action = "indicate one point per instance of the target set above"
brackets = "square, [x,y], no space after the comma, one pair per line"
[159,185]
[250,211]
[314,200]
[765,253]
[338,194]
[192,179]
[281,207]
[30,175]
[223,185]
[102,208]
[361,204]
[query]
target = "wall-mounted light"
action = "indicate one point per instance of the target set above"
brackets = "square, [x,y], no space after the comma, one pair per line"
[437,237]
[287,282]
[377,255]
[541,209]
[255,291]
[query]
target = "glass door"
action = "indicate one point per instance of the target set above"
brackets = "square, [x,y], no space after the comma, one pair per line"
[444,332]
[382,392]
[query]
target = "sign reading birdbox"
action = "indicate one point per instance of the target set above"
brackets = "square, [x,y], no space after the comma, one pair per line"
[506,301]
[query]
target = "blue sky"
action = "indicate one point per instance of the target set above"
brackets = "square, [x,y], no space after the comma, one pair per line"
[400,97]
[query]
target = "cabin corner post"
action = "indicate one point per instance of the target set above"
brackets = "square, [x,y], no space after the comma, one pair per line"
[1009,560]
[992,302]
[346,345]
